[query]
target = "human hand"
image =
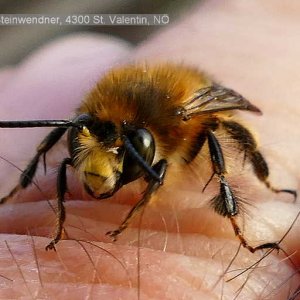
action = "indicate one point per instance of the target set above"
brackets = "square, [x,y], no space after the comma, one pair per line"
[183,259]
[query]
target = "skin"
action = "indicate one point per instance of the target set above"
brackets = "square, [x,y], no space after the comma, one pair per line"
[184,246]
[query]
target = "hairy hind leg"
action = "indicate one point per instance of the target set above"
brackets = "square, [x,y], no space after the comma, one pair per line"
[27,175]
[226,203]
[246,141]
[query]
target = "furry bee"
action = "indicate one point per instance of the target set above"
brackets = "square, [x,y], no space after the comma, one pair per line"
[136,121]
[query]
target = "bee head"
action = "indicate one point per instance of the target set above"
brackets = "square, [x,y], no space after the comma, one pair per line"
[108,155]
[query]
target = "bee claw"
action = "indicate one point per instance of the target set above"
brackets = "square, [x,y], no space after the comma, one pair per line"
[51,246]
[113,234]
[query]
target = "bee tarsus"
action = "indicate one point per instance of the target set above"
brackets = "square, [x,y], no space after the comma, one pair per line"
[61,191]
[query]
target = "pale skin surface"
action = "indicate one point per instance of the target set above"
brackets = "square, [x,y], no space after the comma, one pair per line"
[186,246]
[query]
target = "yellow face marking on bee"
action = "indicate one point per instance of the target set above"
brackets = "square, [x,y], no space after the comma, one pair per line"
[85,131]
[97,165]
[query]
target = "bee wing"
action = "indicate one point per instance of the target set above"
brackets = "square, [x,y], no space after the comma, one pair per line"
[216,98]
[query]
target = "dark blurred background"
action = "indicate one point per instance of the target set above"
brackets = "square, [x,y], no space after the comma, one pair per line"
[18,41]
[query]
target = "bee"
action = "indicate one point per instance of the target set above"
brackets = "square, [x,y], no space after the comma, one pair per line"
[136,122]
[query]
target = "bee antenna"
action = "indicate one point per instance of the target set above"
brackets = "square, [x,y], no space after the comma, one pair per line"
[139,159]
[39,123]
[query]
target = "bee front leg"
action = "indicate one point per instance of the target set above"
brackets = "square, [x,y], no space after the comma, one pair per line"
[160,168]
[27,175]
[61,190]
[225,203]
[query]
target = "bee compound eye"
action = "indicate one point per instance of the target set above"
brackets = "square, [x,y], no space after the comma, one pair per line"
[143,142]
[84,120]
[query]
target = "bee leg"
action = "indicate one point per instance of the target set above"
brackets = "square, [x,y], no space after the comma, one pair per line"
[225,203]
[160,168]
[248,144]
[27,175]
[61,190]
